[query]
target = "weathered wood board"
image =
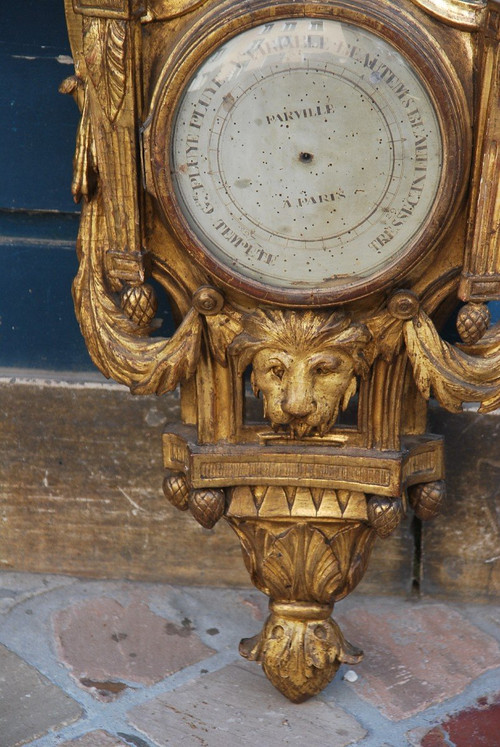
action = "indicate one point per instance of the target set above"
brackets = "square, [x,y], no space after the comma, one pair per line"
[461,548]
[80,493]
[81,490]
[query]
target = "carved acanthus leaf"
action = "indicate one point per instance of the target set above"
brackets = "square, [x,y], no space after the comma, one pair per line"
[104,48]
[221,330]
[84,169]
[453,375]
[387,336]
[352,546]
[166,9]
[300,656]
[467,14]
[256,543]
[119,347]
[301,565]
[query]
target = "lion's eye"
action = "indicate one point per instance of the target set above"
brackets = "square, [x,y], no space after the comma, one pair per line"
[278,371]
[325,369]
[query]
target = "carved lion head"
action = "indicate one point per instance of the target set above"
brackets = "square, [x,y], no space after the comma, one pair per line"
[304,363]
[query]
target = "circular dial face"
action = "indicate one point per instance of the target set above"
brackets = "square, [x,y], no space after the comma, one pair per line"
[305,153]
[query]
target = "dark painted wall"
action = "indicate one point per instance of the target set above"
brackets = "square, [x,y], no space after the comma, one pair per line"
[38,219]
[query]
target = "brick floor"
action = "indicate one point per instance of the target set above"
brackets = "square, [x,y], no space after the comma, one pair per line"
[427,666]
[107,646]
[237,706]
[415,655]
[471,727]
[30,705]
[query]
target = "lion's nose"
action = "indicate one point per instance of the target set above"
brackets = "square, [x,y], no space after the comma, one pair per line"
[298,403]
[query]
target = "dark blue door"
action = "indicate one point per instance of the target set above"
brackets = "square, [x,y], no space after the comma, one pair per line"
[38,219]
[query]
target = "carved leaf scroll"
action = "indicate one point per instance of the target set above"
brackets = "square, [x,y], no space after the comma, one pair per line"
[166,9]
[460,13]
[300,656]
[454,375]
[387,336]
[352,546]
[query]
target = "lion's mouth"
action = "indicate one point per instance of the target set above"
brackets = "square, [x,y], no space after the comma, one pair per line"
[301,428]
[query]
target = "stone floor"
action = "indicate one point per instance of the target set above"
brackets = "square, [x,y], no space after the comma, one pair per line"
[113,663]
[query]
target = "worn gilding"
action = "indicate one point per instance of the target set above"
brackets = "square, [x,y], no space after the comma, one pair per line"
[341,453]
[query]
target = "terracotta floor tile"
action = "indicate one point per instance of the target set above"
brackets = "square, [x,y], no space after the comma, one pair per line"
[108,646]
[472,727]
[415,655]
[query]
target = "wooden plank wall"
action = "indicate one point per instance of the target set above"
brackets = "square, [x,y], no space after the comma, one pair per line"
[461,548]
[80,493]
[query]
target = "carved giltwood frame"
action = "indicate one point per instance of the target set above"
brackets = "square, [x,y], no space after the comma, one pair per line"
[426,55]
[308,500]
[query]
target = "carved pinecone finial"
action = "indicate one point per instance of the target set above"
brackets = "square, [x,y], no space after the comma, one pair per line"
[176,489]
[384,514]
[139,303]
[472,322]
[426,498]
[207,506]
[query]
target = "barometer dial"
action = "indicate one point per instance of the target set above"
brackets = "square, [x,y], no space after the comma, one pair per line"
[305,156]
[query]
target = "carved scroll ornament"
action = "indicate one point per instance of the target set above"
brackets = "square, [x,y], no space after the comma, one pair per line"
[454,374]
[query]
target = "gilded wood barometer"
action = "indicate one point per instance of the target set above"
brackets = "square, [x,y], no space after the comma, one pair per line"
[315,187]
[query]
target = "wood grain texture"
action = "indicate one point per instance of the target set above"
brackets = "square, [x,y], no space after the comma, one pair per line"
[461,555]
[80,493]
